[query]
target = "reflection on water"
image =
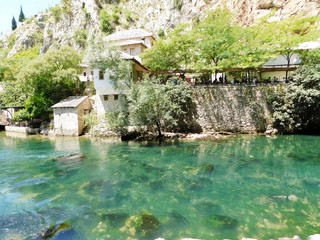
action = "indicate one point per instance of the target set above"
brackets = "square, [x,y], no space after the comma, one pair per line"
[251,186]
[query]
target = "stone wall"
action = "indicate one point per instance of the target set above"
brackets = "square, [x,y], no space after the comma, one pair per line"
[233,108]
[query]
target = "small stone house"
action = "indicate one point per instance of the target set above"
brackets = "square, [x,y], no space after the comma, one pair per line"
[68,114]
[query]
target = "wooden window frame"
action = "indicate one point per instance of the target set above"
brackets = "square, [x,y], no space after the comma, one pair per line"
[101,74]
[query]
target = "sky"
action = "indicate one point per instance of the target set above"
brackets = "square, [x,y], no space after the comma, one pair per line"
[10,8]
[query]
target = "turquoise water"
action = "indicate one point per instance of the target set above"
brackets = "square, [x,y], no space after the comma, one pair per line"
[250,186]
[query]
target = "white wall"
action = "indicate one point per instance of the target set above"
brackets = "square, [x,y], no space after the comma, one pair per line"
[137,49]
[66,121]
[278,74]
[107,106]
[88,77]
[148,42]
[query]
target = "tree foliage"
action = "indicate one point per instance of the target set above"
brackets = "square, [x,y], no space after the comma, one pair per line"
[13,24]
[289,33]
[217,43]
[160,106]
[174,53]
[21,15]
[48,79]
[106,22]
[297,110]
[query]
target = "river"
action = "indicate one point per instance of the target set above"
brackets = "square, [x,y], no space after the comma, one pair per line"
[246,186]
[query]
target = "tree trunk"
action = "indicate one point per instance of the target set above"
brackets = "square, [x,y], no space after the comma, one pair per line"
[159,130]
[288,65]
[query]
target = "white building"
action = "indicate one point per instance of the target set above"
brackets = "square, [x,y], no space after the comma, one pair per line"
[277,67]
[68,115]
[87,73]
[132,43]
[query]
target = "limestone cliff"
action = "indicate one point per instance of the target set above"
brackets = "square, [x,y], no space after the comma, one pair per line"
[75,21]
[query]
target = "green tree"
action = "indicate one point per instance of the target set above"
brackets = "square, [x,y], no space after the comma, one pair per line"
[106,22]
[297,110]
[174,53]
[13,24]
[215,35]
[21,15]
[158,106]
[50,78]
[13,94]
[289,33]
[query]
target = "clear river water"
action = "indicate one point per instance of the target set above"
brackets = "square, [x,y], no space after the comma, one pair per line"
[247,186]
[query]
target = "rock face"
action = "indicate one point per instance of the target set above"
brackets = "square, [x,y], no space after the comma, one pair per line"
[75,21]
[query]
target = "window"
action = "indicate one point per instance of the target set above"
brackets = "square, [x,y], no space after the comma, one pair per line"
[101,75]
[131,51]
[84,74]
[116,97]
[105,97]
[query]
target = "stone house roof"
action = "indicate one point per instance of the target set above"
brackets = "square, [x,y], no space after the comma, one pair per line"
[70,102]
[128,34]
[131,42]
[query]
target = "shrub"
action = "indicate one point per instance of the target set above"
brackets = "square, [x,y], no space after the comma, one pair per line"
[161,33]
[56,12]
[90,120]
[81,37]
[106,22]
[298,110]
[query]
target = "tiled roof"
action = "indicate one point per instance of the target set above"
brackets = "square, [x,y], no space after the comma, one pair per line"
[131,42]
[128,34]
[70,102]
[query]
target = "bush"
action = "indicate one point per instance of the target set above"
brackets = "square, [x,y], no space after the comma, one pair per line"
[81,37]
[106,22]
[298,110]
[21,115]
[90,120]
[128,16]
[161,33]
[56,12]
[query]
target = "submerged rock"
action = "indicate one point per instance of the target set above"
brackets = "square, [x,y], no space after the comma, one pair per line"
[147,224]
[115,219]
[206,208]
[176,220]
[156,184]
[94,186]
[208,168]
[107,190]
[193,184]
[142,226]
[219,221]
